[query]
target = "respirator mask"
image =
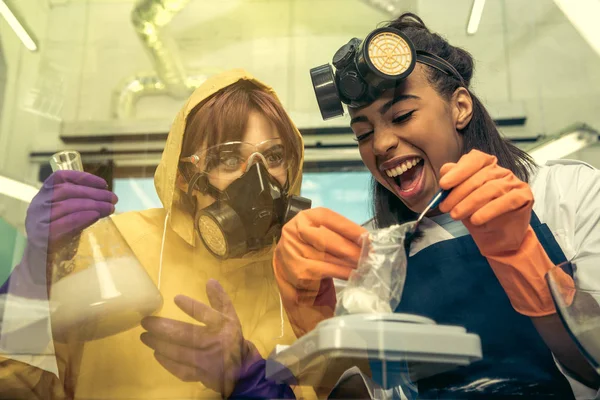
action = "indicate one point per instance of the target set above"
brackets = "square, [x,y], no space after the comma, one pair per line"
[249,213]
[364,69]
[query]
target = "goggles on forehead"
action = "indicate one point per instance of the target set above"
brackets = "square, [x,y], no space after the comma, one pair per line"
[364,69]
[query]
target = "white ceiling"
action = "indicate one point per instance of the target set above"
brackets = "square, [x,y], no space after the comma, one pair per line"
[525,50]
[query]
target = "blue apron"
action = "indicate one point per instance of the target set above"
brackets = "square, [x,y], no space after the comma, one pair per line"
[453,284]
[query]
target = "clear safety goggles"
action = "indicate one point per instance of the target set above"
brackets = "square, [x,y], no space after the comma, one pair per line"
[228,161]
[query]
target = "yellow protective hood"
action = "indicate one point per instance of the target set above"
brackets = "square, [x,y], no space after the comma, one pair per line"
[165,178]
[121,366]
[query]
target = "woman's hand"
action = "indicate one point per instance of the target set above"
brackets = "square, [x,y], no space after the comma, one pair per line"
[67,203]
[214,353]
[315,246]
[491,201]
[495,206]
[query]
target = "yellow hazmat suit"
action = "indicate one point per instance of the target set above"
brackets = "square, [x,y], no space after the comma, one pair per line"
[121,366]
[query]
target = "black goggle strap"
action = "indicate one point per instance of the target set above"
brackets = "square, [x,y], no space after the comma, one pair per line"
[192,183]
[286,187]
[440,64]
[200,182]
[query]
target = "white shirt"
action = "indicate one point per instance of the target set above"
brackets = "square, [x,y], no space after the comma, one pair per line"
[567,199]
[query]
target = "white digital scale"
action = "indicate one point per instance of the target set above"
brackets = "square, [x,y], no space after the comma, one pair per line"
[413,342]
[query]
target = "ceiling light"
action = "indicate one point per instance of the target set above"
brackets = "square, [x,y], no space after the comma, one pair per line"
[563,145]
[17,190]
[17,27]
[475,18]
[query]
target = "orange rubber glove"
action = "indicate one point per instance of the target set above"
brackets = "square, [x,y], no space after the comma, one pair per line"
[495,206]
[315,246]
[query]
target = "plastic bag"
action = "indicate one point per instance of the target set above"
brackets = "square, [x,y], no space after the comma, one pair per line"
[376,285]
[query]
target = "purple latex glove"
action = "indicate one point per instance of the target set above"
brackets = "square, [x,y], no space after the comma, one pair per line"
[215,354]
[252,384]
[67,203]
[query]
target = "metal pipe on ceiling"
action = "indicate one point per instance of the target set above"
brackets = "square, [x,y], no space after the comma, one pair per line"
[150,19]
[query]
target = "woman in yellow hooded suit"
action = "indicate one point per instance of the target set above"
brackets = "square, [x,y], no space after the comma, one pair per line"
[159,363]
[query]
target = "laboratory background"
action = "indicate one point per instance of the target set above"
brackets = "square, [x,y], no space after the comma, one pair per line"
[107,77]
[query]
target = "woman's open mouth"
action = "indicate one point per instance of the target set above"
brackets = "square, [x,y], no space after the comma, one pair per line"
[407,177]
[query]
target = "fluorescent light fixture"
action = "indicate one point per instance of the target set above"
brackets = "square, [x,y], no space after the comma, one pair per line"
[563,146]
[475,18]
[583,14]
[17,190]
[17,27]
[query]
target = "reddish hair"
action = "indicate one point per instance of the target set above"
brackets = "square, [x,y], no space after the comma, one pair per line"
[223,117]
